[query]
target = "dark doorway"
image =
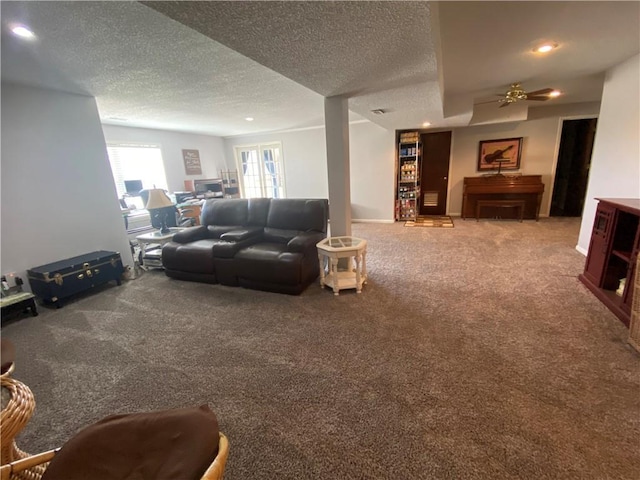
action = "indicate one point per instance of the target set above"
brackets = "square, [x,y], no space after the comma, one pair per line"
[572,171]
[436,150]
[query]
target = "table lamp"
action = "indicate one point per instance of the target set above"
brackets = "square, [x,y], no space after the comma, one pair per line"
[159,200]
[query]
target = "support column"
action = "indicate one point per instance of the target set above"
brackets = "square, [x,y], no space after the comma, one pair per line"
[336,121]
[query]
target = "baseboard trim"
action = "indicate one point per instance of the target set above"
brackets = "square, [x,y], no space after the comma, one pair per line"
[370,220]
[581,250]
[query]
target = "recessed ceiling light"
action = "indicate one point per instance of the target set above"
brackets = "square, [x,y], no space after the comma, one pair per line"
[426,124]
[249,119]
[546,47]
[378,111]
[555,93]
[22,32]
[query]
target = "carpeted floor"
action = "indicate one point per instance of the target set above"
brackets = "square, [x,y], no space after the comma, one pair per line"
[472,353]
[431,221]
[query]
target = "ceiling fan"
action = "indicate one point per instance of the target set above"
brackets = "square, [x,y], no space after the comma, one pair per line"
[517,93]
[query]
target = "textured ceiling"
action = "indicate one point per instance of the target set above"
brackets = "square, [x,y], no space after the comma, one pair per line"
[317,43]
[205,66]
[148,70]
[379,54]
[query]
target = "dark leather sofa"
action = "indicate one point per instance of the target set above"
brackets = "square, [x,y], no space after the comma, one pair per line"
[259,243]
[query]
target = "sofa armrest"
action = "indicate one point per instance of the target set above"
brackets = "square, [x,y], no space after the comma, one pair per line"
[191,234]
[241,234]
[304,241]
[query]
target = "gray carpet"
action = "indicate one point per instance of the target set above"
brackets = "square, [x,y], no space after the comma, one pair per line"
[472,353]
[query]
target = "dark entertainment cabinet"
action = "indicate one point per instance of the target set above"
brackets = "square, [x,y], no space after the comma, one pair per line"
[613,250]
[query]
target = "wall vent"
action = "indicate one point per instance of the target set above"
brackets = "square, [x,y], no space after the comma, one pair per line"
[430,199]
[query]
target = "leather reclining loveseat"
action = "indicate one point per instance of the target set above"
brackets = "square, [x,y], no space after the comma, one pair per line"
[259,243]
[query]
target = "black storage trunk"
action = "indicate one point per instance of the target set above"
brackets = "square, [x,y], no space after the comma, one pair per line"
[64,278]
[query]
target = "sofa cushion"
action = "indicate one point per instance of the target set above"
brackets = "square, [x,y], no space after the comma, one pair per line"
[227,211]
[278,235]
[269,262]
[168,444]
[196,257]
[299,215]
[258,211]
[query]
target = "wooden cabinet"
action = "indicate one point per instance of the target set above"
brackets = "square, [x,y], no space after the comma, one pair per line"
[610,267]
[408,176]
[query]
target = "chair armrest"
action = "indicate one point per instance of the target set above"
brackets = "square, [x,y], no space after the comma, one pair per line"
[191,234]
[304,241]
[216,469]
[8,470]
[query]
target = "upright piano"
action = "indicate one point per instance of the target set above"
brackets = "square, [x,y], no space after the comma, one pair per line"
[528,188]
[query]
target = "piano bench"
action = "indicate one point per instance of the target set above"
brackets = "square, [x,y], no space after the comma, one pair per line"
[519,204]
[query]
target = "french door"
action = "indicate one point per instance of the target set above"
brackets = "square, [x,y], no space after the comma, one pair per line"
[261,170]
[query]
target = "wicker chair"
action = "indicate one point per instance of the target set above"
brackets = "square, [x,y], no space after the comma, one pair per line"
[19,465]
[16,469]
[13,418]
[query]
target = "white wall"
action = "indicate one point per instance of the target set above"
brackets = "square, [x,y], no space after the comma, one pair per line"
[615,162]
[372,158]
[172,143]
[58,195]
[371,151]
[305,159]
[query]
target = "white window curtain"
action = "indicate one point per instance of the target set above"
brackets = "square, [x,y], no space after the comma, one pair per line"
[261,170]
[137,162]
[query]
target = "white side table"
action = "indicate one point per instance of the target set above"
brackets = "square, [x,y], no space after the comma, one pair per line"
[155,238]
[332,249]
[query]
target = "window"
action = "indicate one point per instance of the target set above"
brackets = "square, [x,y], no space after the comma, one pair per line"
[261,170]
[132,164]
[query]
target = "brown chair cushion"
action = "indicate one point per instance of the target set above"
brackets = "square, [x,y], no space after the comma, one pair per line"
[168,444]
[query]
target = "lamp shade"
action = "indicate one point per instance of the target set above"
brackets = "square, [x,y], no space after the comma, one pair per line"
[158,199]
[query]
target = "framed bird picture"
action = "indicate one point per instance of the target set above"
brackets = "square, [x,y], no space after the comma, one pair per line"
[503,154]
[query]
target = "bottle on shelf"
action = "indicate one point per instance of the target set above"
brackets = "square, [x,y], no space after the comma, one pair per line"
[408,177]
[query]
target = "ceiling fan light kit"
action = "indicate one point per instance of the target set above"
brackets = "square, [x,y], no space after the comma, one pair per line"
[517,93]
[545,47]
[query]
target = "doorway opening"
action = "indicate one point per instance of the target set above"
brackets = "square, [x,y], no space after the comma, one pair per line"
[572,170]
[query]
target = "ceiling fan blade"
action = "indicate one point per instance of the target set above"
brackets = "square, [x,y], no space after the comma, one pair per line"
[544,91]
[505,104]
[490,101]
[538,99]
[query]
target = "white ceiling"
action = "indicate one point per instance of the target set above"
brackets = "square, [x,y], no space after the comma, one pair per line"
[203,67]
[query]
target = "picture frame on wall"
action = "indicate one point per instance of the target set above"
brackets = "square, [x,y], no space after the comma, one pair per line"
[500,154]
[192,162]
